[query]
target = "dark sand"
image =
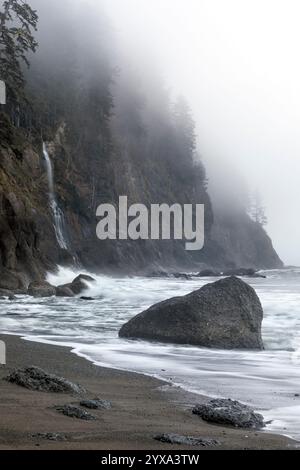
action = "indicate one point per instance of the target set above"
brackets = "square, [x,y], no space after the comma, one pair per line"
[141,408]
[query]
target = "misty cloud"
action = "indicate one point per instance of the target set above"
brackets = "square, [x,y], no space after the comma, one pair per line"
[236,62]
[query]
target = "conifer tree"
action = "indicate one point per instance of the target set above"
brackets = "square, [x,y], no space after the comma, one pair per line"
[18,21]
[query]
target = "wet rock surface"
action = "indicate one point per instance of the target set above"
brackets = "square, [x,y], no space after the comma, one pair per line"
[183,276]
[84,277]
[5,293]
[226,314]
[96,404]
[243,272]
[230,413]
[177,439]
[79,284]
[41,289]
[73,411]
[12,280]
[64,292]
[34,378]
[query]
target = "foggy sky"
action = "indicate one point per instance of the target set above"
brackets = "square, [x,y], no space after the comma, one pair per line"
[237,62]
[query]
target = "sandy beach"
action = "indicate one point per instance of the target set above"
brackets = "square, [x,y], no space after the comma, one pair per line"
[142,407]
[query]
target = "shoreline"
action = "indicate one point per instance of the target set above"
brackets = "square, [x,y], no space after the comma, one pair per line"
[142,407]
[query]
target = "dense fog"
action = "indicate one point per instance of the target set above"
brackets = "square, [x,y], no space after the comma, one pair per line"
[235,62]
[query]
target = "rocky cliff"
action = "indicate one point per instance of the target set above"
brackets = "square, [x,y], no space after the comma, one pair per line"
[26,230]
[108,133]
[86,177]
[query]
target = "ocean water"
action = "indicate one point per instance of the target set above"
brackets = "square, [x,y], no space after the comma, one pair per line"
[269,380]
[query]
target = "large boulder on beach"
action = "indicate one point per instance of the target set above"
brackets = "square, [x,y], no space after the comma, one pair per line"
[226,314]
[41,289]
[229,413]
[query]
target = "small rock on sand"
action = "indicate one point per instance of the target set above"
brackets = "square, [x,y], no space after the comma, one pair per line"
[73,411]
[96,404]
[186,440]
[34,378]
[230,413]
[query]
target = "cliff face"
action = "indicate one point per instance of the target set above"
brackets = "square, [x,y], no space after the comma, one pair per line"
[28,246]
[86,178]
[108,134]
[27,238]
[93,167]
[244,242]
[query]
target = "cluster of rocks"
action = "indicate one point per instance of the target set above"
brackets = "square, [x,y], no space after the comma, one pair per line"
[167,275]
[226,314]
[240,272]
[36,379]
[79,411]
[12,284]
[218,411]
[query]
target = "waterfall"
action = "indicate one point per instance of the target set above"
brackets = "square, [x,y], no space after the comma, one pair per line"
[58,216]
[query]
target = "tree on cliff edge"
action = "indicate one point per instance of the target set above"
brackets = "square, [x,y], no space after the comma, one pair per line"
[17,23]
[257,211]
[185,127]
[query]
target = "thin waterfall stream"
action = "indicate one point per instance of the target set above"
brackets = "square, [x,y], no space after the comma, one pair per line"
[58,216]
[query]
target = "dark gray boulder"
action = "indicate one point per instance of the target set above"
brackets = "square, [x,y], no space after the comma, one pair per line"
[79,284]
[230,413]
[41,289]
[34,378]
[226,314]
[73,411]
[64,292]
[83,277]
[176,439]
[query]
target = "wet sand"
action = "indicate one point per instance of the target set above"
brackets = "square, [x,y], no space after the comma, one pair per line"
[141,408]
